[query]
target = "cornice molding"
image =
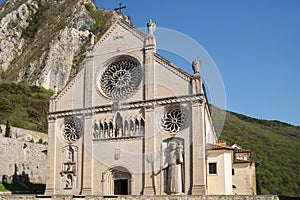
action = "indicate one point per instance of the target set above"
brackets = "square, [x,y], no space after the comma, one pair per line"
[182,74]
[131,105]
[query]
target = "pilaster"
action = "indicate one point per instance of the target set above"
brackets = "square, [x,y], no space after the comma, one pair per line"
[149,93]
[198,149]
[87,145]
[149,149]
[50,186]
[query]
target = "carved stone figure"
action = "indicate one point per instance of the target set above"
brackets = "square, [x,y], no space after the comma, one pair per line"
[126,131]
[96,130]
[70,155]
[174,161]
[69,181]
[92,39]
[196,67]
[118,125]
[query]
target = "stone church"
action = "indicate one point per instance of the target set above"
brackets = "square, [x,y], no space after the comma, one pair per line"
[132,123]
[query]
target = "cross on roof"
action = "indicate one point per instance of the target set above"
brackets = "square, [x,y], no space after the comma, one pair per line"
[120,8]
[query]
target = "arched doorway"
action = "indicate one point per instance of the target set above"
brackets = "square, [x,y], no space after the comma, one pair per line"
[116,181]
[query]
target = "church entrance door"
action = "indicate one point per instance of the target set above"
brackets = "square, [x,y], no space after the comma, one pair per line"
[117,181]
[121,187]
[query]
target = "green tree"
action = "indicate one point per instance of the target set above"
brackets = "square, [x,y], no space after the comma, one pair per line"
[41,141]
[7,129]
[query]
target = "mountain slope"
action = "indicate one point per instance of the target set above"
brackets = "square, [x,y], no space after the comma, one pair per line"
[44,42]
[25,106]
[274,145]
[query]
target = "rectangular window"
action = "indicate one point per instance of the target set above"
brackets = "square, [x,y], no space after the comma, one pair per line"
[212,168]
[232,171]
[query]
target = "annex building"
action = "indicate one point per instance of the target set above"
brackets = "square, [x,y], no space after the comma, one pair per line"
[132,123]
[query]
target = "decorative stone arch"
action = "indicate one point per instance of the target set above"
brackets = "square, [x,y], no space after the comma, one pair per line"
[116,181]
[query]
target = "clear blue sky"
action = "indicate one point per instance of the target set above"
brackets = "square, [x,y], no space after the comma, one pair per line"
[254,43]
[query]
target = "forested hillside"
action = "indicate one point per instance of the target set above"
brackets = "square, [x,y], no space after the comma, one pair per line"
[24,106]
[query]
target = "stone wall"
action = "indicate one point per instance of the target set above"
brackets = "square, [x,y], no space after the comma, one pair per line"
[22,161]
[216,197]
[24,134]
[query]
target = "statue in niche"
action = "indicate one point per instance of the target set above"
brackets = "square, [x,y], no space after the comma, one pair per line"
[137,126]
[101,131]
[173,165]
[96,130]
[125,128]
[111,130]
[142,126]
[131,128]
[70,154]
[105,130]
[69,181]
[118,121]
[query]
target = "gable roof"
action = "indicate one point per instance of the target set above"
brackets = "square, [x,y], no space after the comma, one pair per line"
[171,67]
[124,24]
[140,36]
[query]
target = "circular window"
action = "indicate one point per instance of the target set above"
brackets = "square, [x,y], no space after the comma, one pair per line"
[121,78]
[173,121]
[73,129]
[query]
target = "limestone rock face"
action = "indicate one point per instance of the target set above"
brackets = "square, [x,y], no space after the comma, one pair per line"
[11,25]
[61,55]
[44,42]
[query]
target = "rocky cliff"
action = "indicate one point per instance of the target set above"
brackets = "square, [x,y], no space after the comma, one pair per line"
[44,42]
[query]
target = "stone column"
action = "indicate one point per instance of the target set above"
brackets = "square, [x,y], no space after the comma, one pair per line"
[198,150]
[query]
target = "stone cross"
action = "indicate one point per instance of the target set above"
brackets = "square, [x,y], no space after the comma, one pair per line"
[120,8]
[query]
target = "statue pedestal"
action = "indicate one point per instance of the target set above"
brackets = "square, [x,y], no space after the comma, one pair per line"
[86,191]
[148,191]
[198,190]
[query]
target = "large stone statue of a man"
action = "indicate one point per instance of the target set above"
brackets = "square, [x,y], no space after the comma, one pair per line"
[174,163]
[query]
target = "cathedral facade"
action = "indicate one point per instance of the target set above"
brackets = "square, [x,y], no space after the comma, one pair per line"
[130,123]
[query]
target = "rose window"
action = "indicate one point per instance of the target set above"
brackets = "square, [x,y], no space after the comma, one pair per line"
[121,79]
[173,121]
[73,129]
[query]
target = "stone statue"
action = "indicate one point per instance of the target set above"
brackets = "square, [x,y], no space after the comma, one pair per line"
[96,130]
[92,39]
[174,161]
[196,67]
[69,181]
[118,123]
[70,155]
[151,27]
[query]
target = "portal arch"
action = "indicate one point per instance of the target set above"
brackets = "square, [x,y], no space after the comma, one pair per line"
[116,181]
